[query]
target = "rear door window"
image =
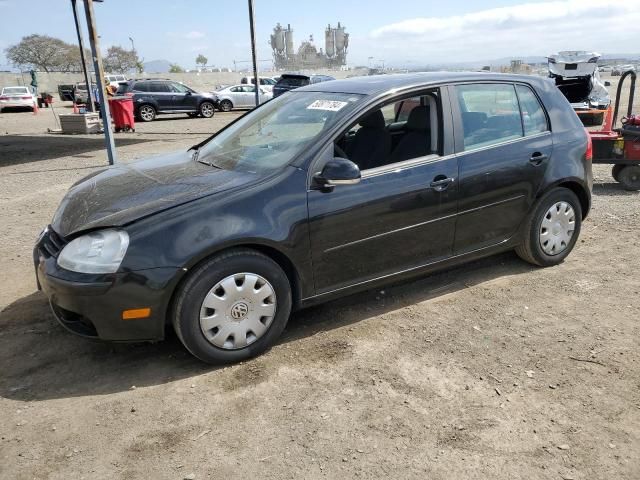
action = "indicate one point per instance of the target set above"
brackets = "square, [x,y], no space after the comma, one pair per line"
[141,86]
[490,114]
[159,87]
[534,119]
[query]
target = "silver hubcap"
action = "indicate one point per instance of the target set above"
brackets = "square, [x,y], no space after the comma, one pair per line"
[226,106]
[146,113]
[557,228]
[238,310]
[207,110]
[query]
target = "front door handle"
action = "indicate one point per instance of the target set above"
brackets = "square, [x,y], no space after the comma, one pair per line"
[537,158]
[441,183]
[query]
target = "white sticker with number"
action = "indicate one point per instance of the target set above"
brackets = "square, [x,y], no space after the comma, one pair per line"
[329,105]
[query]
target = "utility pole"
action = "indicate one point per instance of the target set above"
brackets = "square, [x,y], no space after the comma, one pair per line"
[94,40]
[83,60]
[252,27]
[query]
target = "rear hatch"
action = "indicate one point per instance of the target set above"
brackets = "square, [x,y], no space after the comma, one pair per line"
[289,82]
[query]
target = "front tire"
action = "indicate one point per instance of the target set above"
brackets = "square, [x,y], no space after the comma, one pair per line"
[207,109]
[615,171]
[232,307]
[226,106]
[551,230]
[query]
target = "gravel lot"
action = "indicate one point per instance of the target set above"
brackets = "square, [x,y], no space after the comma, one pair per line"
[491,370]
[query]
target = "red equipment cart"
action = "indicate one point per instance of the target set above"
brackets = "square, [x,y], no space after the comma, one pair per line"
[122,113]
[620,146]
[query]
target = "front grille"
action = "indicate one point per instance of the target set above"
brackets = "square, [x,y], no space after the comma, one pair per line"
[52,243]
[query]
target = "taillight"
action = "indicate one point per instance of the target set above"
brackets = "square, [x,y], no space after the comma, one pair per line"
[25,98]
[588,155]
[4,98]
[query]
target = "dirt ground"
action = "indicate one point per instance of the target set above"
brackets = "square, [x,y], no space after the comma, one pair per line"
[492,370]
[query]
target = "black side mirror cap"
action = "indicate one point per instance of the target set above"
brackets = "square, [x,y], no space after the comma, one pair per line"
[338,171]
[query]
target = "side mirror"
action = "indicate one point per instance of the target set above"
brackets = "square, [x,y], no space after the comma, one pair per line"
[607,83]
[188,93]
[338,171]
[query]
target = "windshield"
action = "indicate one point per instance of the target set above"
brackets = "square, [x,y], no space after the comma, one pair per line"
[273,135]
[14,90]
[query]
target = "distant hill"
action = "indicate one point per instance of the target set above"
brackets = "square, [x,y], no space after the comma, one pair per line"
[157,66]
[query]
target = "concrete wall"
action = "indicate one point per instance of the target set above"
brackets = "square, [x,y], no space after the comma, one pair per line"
[206,81]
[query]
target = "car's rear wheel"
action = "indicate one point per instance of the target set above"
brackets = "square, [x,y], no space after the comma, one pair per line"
[207,109]
[629,177]
[233,307]
[552,229]
[146,113]
[226,105]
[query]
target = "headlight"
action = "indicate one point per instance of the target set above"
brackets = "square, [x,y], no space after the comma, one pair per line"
[101,251]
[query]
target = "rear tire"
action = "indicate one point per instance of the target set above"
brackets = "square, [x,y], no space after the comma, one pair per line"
[205,314]
[226,106]
[552,228]
[629,177]
[146,113]
[615,172]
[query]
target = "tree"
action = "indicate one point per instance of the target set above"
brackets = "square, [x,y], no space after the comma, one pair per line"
[119,60]
[40,52]
[175,68]
[201,60]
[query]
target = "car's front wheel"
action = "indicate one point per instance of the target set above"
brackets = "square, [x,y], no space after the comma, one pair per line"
[207,109]
[226,106]
[552,229]
[232,307]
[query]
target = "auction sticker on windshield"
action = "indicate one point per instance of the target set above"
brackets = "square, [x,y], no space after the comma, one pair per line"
[330,105]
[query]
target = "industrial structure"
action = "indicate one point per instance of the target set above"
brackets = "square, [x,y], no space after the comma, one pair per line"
[336,42]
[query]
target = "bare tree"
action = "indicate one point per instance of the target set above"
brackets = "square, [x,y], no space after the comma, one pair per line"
[40,52]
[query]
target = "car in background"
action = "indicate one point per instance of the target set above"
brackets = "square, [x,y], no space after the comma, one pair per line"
[266,83]
[114,80]
[618,70]
[291,81]
[328,190]
[576,75]
[80,93]
[155,96]
[239,96]
[17,97]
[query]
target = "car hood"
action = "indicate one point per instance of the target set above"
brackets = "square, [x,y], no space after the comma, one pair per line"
[119,195]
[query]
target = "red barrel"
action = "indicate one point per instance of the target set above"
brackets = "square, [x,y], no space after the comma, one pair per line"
[122,113]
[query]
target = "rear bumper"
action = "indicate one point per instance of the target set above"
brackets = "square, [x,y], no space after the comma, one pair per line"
[92,305]
[16,103]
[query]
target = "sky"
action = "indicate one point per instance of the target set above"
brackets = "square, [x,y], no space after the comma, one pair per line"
[400,33]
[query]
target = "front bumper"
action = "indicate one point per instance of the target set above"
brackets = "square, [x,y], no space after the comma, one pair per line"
[91,305]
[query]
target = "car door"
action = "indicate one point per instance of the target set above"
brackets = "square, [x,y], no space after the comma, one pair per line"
[248,96]
[183,98]
[400,216]
[503,145]
[162,95]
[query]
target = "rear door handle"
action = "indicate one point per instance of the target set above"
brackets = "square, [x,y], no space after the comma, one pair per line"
[537,158]
[441,183]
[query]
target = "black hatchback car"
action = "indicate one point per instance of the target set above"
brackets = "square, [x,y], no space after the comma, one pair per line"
[154,96]
[291,81]
[334,188]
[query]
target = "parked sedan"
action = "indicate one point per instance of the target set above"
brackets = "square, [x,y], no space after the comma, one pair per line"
[240,96]
[331,189]
[17,97]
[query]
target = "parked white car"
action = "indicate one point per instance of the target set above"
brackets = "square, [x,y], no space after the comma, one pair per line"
[576,75]
[266,83]
[114,80]
[17,97]
[240,96]
[620,69]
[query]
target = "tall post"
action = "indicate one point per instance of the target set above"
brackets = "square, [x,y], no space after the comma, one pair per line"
[97,65]
[252,27]
[83,60]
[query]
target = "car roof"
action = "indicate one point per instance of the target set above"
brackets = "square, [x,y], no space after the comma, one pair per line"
[377,84]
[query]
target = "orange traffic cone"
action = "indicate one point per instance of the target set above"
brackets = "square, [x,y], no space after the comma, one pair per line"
[35,108]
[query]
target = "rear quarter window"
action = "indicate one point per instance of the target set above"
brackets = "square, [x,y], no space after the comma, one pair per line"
[534,118]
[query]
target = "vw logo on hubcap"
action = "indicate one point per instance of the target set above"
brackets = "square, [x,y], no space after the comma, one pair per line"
[239,310]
